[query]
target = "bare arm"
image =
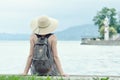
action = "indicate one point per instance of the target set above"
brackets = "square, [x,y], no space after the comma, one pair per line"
[55,55]
[29,60]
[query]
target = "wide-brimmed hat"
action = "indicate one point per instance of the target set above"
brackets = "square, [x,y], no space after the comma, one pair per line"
[43,25]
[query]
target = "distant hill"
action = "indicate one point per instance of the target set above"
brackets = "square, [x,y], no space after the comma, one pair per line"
[6,36]
[78,32]
[72,33]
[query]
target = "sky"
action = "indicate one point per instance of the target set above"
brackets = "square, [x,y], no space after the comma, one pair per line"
[16,15]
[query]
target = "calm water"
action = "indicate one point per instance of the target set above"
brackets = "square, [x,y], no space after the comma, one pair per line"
[76,59]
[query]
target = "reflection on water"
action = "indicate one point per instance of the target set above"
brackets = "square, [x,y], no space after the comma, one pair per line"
[76,59]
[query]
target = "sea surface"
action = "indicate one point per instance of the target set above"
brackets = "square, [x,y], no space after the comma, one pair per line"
[76,59]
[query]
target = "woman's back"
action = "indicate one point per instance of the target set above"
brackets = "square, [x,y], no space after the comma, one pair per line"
[51,39]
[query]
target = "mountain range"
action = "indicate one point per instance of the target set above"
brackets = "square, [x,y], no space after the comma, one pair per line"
[72,33]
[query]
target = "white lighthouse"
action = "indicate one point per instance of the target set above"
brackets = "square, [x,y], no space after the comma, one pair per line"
[106,29]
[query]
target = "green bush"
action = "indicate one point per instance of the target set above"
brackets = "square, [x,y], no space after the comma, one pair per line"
[112,31]
[103,78]
[18,77]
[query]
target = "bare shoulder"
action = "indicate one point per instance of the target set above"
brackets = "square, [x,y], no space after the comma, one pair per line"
[53,38]
[32,38]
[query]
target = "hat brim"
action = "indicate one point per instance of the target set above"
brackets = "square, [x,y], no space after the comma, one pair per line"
[35,29]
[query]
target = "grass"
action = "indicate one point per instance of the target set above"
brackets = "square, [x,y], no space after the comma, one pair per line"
[18,77]
[97,78]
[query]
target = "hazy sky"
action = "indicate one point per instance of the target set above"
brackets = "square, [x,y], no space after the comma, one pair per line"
[15,15]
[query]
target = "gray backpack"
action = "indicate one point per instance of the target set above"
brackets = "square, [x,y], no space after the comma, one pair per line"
[42,58]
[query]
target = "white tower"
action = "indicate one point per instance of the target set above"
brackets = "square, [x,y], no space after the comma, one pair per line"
[106,29]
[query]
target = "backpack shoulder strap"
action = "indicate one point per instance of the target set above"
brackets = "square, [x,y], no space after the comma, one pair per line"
[38,35]
[48,35]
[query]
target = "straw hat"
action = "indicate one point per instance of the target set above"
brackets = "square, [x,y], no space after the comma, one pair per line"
[43,25]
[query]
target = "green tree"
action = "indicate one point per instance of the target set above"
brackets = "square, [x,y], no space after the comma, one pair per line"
[112,31]
[118,27]
[110,13]
[113,24]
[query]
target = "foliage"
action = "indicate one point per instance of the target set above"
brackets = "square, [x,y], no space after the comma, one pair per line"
[112,31]
[118,28]
[114,26]
[101,30]
[18,77]
[14,77]
[110,13]
[103,78]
